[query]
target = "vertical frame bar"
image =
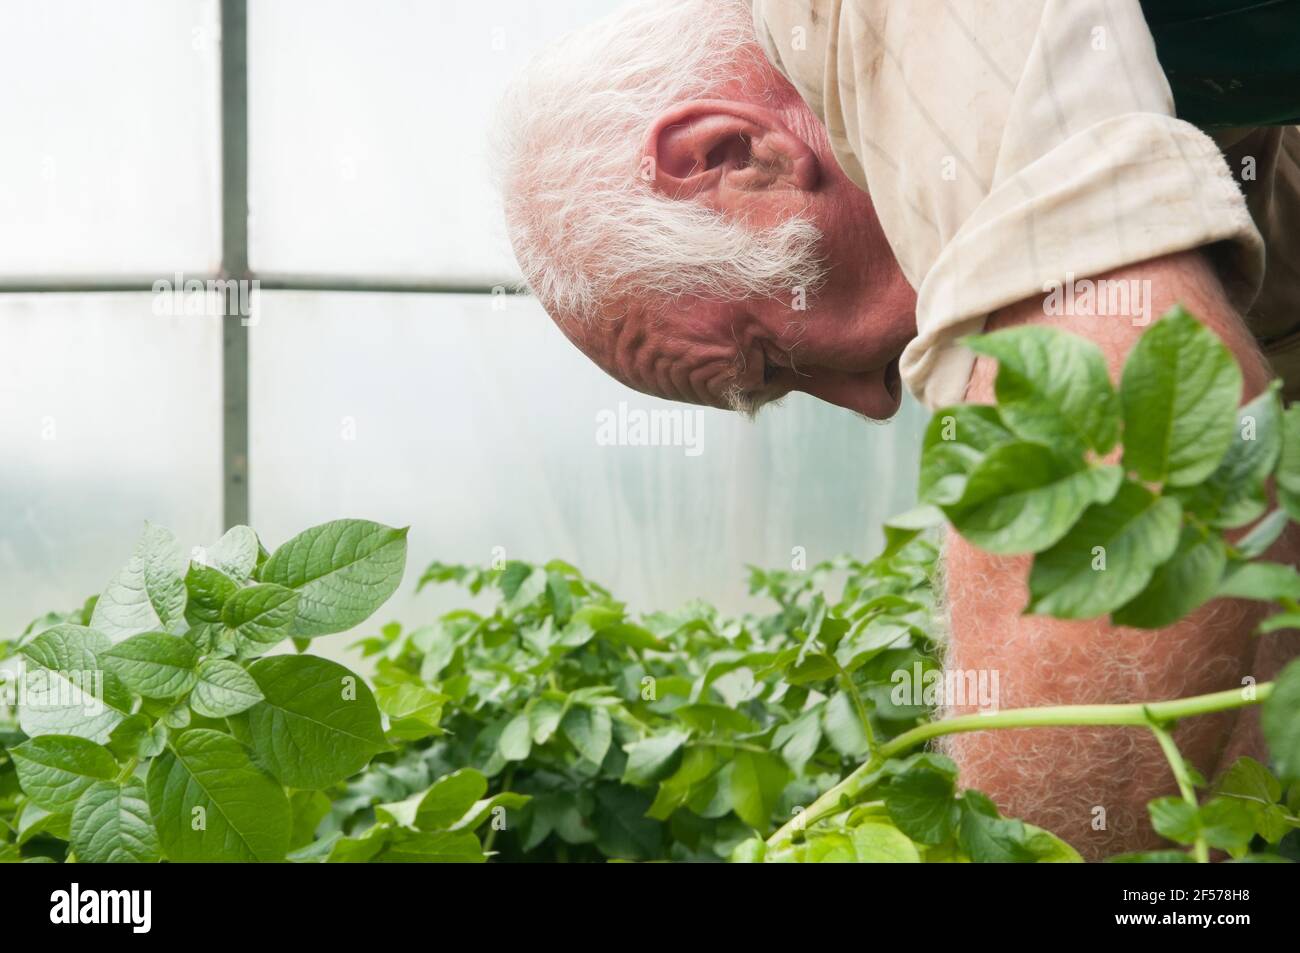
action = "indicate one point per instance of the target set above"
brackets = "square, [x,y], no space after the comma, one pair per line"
[234,259]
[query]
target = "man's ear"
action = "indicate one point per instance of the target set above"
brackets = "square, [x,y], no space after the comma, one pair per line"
[700,149]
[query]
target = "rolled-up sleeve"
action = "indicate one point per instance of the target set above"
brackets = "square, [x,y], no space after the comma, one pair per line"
[1010,144]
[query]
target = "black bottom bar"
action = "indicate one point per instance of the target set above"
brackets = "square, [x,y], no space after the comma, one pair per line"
[339,903]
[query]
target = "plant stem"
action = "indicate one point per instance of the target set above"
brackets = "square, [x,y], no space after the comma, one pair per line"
[1137,714]
[725,743]
[1185,785]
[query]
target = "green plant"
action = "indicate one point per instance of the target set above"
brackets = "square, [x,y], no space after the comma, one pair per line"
[148,725]
[673,736]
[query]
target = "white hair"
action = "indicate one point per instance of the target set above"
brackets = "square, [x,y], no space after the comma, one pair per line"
[587,228]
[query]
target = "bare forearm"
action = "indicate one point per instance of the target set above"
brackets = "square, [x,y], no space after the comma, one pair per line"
[1091,785]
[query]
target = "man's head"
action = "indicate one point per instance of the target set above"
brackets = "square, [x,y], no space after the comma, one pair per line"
[676,208]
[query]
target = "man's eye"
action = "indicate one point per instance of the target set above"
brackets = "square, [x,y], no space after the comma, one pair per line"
[770,371]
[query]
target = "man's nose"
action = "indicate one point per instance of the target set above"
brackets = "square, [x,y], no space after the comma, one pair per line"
[863,392]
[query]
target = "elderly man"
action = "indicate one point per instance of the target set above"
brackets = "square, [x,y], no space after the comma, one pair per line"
[722,205]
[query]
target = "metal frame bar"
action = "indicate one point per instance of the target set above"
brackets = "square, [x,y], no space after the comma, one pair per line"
[364,284]
[234,260]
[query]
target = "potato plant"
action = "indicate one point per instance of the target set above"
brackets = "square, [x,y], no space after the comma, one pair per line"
[151,724]
[671,736]
[180,715]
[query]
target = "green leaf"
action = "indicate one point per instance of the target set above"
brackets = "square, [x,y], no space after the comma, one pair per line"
[920,801]
[633,636]
[1252,784]
[989,838]
[698,767]
[205,636]
[348,850]
[843,726]
[878,843]
[223,689]
[516,739]
[449,799]
[1234,494]
[318,722]
[1243,858]
[588,729]
[798,740]
[513,577]
[751,851]
[714,719]
[260,616]
[210,803]
[68,691]
[622,829]
[1262,535]
[176,717]
[545,720]
[208,589]
[1280,720]
[309,808]
[154,664]
[446,802]
[1108,557]
[1047,848]
[343,571]
[124,741]
[653,758]
[33,821]
[1288,469]
[755,784]
[1280,620]
[560,812]
[819,847]
[1174,819]
[481,810]
[1180,389]
[905,527]
[55,770]
[1266,582]
[1052,386]
[235,553]
[432,847]
[1152,857]
[1222,822]
[111,825]
[149,592]
[414,711]
[956,440]
[1179,586]
[1023,497]
[557,588]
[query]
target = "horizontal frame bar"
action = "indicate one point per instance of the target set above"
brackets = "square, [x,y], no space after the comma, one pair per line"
[350,283]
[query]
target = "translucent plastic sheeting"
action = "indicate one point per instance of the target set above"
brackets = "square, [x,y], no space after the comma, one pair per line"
[367,132]
[109,416]
[488,434]
[111,159]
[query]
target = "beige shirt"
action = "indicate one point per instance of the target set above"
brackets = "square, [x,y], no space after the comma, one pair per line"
[1009,144]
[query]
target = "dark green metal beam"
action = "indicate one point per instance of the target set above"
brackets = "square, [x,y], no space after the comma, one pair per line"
[357,283]
[234,259]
